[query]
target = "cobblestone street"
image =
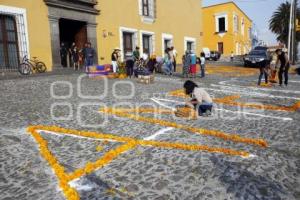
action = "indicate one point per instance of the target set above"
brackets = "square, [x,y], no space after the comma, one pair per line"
[148,155]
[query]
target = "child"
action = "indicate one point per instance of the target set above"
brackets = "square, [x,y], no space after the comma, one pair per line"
[200,99]
[202,64]
[193,66]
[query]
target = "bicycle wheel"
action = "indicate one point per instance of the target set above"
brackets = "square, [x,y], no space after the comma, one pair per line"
[41,67]
[24,69]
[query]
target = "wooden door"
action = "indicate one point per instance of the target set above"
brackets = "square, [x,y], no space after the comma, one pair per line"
[81,37]
[127,42]
[220,47]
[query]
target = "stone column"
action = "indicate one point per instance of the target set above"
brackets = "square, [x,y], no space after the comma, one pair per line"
[55,40]
[92,38]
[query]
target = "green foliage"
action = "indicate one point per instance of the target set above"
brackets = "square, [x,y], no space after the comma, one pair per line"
[279,22]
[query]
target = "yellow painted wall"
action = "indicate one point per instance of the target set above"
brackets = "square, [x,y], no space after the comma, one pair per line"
[230,38]
[38,28]
[181,18]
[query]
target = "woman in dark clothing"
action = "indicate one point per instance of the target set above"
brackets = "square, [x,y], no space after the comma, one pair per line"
[75,58]
[284,67]
[129,64]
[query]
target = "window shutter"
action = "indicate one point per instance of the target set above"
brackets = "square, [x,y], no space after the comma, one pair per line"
[140,7]
[151,8]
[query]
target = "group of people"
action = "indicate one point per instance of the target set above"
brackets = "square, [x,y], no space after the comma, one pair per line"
[166,65]
[77,57]
[280,60]
[189,62]
[169,61]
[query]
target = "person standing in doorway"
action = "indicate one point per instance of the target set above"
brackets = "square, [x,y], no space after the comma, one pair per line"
[75,58]
[63,54]
[71,52]
[186,62]
[193,66]
[89,55]
[171,58]
[136,54]
[231,56]
[202,64]
[115,59]
[174,52]
[284,67]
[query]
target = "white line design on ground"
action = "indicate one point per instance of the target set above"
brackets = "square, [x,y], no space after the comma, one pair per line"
[74,136]
[256,114]
[234,90]
[224,83]
[160,132]
[159,101]
[163,105]
[76,183]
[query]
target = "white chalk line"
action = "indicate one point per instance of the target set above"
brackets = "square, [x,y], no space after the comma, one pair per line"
[255,88]
[159,101]
[76,184]
[243,91]
[255,114]
[160,132]
[163,105]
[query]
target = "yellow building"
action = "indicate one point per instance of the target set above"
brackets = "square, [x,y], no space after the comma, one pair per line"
[38,27]
[150,24]
[24,30]
[226,29]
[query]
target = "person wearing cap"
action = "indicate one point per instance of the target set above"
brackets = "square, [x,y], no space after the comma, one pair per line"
[136,53]
[284,66]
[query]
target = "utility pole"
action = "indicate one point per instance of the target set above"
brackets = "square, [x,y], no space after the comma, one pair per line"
[291,24]
[294,46]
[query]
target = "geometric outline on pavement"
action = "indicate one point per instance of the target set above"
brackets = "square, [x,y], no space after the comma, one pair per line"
[232,101]
[128,144]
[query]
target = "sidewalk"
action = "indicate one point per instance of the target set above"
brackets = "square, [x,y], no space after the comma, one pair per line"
[56,71]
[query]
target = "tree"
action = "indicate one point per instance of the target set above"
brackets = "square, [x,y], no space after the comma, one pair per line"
[279,22]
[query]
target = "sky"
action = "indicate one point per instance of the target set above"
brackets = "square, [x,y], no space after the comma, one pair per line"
[260,11]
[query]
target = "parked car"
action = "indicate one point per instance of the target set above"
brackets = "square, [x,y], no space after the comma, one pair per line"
[257,58]
[215,55]
[261,48]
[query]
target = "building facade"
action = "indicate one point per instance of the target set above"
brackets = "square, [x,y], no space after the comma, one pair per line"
[37,28]
[227,29]
[153,25]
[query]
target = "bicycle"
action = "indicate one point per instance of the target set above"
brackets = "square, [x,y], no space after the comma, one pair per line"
[27,66]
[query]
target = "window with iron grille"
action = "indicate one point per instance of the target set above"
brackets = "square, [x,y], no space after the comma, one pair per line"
[13,37]
[9,50]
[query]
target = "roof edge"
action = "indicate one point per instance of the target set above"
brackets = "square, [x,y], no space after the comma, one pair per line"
[229,2]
